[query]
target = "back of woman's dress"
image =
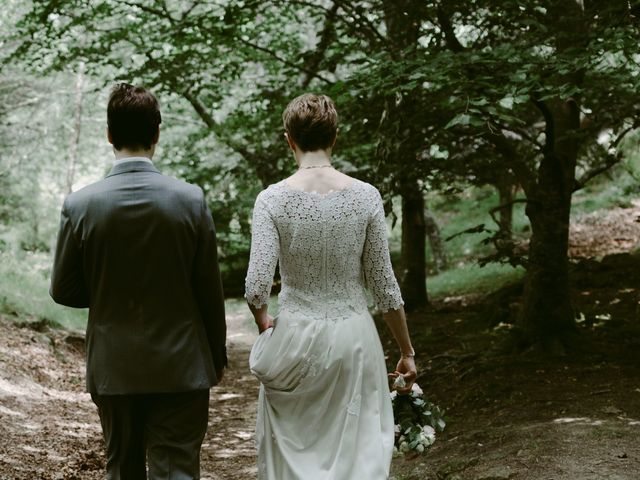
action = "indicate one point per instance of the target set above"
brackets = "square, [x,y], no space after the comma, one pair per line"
[324,411]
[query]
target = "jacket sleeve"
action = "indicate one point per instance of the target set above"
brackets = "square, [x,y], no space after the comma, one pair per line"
[68,286]
[208,288]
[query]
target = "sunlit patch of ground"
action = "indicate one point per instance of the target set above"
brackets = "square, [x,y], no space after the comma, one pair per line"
[605,232]
[49,427]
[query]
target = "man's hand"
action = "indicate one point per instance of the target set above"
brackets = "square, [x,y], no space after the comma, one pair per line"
[406,369]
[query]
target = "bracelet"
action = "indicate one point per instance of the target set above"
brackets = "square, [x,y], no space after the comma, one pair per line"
[412,354]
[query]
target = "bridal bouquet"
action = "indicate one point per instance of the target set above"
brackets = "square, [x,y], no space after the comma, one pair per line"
[417,421]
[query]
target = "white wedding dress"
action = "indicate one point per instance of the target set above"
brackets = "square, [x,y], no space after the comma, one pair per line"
[324,410]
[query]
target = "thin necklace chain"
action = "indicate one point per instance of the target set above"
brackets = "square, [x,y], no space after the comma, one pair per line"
[315,166]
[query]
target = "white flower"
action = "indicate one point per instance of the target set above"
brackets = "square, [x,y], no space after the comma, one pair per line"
[396,428]
[420,448]
[429,434]
[428,430]
[415,388]
[399,382]
[396,452]
[394,394]
[404,447]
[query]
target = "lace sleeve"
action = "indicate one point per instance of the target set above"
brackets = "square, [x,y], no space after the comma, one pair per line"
[265,250]
[377,263]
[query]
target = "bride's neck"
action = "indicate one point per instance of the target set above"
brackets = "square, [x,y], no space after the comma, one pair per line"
[316,158]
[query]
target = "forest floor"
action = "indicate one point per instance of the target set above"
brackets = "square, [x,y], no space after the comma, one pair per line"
[529,415]
[534,415]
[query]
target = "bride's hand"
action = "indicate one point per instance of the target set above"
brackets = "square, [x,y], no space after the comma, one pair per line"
[265,323]
[407,369]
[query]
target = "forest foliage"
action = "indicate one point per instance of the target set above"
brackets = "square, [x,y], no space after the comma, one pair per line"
[526,96]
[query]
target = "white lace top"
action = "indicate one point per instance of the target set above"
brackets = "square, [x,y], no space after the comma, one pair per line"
[328,246]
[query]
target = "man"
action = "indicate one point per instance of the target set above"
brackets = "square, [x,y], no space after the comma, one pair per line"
[139,249]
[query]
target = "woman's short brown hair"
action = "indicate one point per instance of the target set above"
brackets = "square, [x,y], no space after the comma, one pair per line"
[311,121]
[133,117]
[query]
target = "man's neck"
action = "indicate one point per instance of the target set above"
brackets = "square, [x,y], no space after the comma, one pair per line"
[126,153]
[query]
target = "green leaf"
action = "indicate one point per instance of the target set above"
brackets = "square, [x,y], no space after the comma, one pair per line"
[436,152]
[507,102]
[460,119]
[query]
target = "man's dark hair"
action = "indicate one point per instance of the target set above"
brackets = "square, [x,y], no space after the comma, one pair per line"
[133,117]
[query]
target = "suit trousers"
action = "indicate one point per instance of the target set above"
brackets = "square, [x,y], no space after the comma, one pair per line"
[167,428]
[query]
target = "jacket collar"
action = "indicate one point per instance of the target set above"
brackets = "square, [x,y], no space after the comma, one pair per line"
[132,166]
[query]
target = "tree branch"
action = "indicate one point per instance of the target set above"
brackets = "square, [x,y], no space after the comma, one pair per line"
[327,35]
[549,124]
[200,109]
[493,210]
[447,28]
[160,13]
[360,19]
[314,5]
[523,173]
[360,24]
[284,61]
[251,157]
[477,229]
[611,161]
[520,132]
[624,134]
[185,13]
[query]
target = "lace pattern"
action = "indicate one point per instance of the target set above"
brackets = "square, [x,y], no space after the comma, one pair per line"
[265,250]
[327,246]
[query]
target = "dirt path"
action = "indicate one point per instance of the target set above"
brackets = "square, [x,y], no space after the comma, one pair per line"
[510,417]
[49,428]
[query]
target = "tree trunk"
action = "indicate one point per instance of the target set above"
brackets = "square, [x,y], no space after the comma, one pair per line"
[413,281]
[435,241]
[77,124]
[506,192]
[547,314]
[403,19]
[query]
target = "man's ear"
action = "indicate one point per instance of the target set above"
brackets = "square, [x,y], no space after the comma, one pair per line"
[109,136]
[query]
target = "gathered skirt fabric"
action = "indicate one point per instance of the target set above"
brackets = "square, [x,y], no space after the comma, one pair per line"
[324,410]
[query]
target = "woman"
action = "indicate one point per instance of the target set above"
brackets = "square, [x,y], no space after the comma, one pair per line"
[324,410]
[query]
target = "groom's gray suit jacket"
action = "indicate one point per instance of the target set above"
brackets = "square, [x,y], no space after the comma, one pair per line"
[139,249]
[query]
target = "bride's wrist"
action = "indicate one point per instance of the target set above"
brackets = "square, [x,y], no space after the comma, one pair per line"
[408,353]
